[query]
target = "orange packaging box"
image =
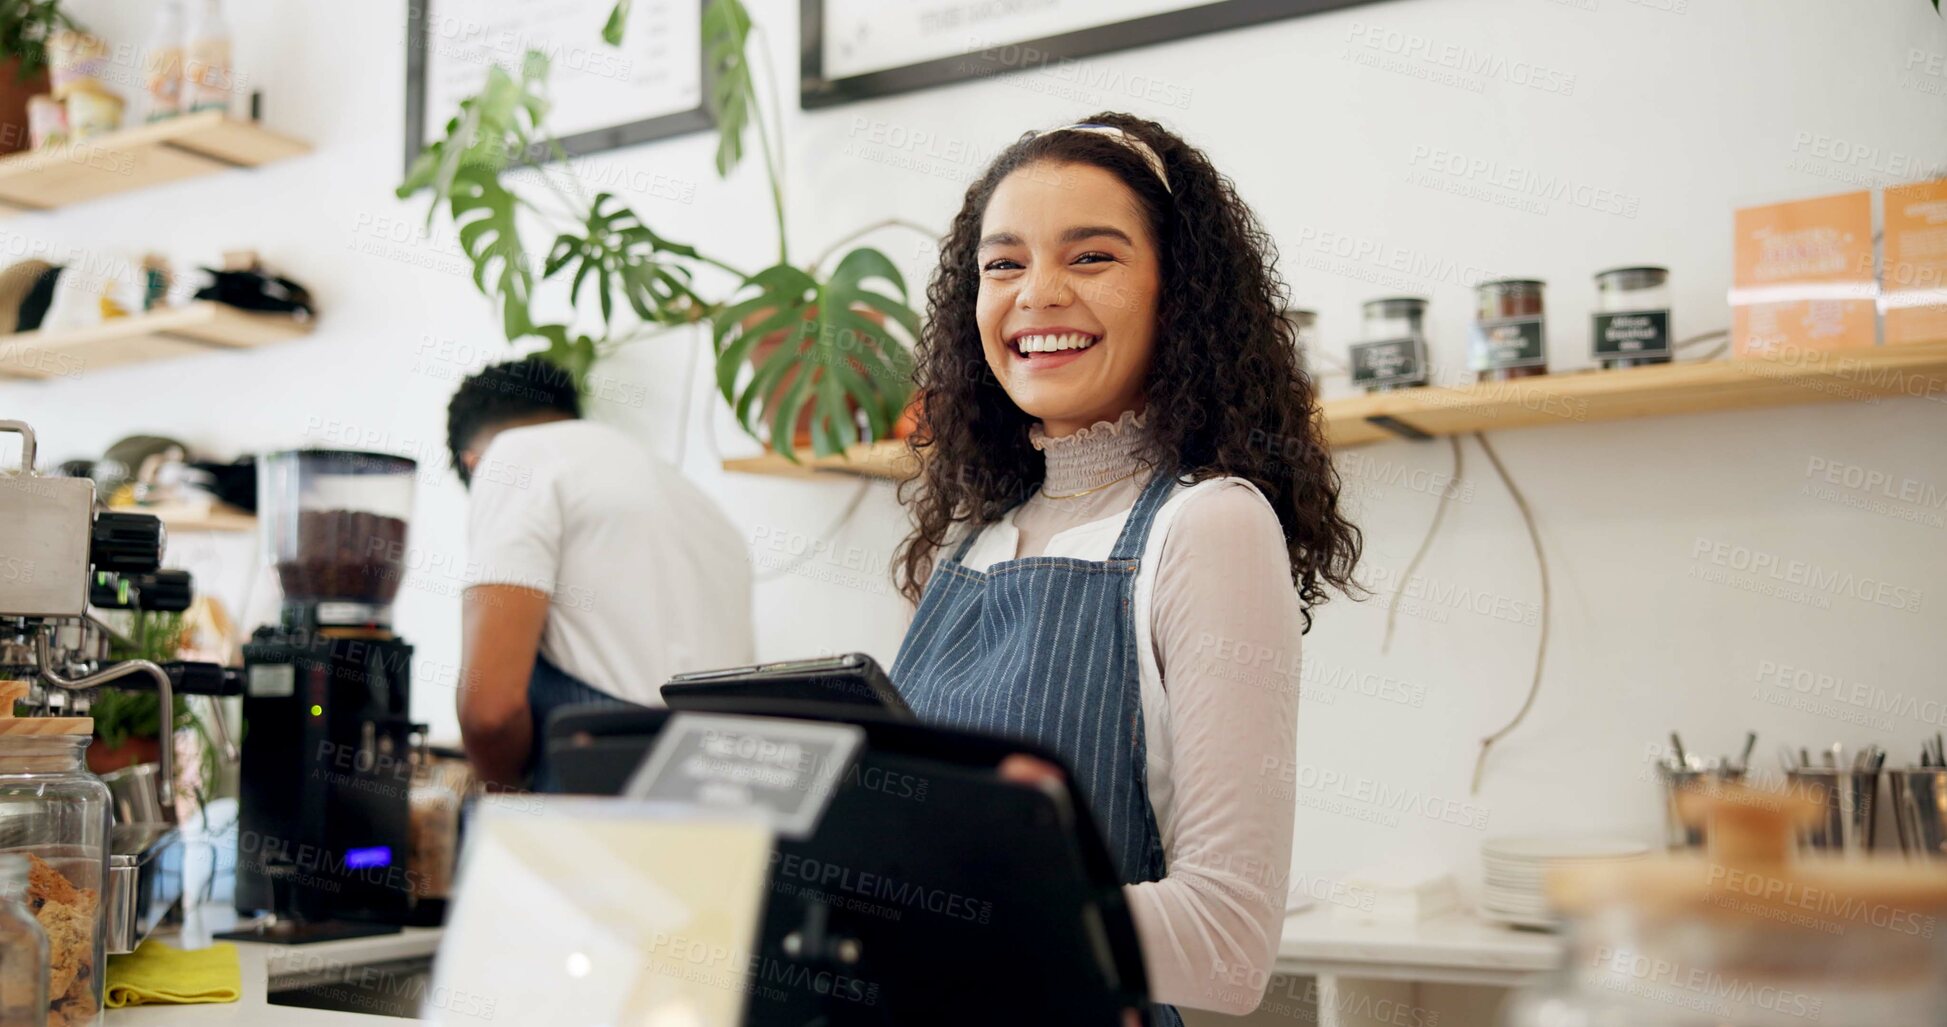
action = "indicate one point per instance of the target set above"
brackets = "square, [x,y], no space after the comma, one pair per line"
[1915,274]
[1803,276]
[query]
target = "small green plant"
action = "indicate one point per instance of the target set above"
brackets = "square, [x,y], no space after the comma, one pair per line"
[25,26]
[843,337]
[124,715]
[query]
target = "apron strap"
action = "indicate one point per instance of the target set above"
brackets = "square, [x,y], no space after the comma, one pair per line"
[960,554]
[1135,531]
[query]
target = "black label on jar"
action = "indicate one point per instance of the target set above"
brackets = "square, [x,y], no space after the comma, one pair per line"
[1639,333]
[1388,362]
[1510,342]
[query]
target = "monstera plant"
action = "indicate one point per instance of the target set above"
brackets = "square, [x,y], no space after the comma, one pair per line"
[799,349]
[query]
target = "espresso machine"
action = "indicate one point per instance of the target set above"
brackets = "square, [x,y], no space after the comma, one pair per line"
[324,821]
[60,557]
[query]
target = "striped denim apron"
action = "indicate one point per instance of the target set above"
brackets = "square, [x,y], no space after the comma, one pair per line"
[549,688]
[1044,649]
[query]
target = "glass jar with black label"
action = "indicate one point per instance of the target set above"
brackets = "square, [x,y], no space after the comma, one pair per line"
[1393,353]
[1507,339]
[1632,316]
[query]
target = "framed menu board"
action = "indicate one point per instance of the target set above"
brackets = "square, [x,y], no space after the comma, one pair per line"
[856,49]
[602,96]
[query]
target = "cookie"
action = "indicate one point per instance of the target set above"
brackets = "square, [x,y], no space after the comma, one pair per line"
[70,943]
[74,1007]
[44,883]
[67,917]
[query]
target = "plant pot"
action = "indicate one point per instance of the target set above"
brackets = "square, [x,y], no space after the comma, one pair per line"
[768,345]
[908,422]
[102,759]
[13,103]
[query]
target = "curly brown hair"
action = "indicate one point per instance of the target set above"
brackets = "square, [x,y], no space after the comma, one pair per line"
[1242,408]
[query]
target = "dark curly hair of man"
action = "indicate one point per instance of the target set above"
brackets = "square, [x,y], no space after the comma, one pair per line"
[1225,395]
[513,391]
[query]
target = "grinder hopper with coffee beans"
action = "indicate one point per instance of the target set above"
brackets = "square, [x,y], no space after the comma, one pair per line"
[327,689]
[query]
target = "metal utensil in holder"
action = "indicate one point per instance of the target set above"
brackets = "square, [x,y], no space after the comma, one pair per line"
[1920,810]
[1850,800]
[1678,833]
[1682,771]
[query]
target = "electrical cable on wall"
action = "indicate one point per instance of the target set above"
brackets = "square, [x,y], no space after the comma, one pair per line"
[1717,351]
[1439,514]
[1541,647]
[1440,511]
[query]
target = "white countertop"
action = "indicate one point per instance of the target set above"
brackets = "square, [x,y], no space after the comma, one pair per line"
[260,963]
[1458,948]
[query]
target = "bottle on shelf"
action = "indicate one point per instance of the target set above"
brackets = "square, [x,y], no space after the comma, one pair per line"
[162,65]
[209,78]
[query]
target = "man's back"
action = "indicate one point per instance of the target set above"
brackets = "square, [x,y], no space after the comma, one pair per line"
[648,577]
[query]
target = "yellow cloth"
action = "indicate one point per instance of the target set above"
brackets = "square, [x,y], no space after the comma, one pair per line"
[155,974]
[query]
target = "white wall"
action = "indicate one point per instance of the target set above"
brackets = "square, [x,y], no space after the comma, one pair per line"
[1327,124]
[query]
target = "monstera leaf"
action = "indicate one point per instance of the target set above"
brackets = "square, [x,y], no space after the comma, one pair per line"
[483,211]
[576,354]
[726,30]
[462,171]
[623,255]
[833,351]
[494,125]
[617,18]
[726,27]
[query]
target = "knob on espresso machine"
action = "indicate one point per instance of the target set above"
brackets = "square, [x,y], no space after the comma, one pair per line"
[126,543]
[168,591]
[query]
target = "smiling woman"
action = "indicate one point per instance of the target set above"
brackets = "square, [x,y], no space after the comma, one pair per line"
[1044,351]
[1125,463]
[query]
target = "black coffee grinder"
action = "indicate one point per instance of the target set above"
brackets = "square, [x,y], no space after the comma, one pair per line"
[324,825]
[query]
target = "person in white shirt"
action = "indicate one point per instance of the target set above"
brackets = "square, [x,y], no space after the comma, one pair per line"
[596,571]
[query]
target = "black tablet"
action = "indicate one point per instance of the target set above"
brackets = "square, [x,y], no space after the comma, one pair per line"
[853,680]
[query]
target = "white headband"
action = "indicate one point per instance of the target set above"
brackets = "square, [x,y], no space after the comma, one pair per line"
[1141,148]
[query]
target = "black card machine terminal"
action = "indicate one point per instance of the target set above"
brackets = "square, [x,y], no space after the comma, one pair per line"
[853,680]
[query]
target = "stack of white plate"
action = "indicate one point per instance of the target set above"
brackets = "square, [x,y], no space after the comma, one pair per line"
[1514,871]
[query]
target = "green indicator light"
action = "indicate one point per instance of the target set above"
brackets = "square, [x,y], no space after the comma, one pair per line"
[316,710]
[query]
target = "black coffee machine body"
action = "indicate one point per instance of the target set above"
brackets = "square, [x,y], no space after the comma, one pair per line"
[324,824]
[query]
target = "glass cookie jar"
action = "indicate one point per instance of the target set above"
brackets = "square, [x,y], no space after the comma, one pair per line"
[1750,934]
[55,815]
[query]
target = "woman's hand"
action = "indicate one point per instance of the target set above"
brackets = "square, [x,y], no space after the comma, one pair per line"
[1021,768]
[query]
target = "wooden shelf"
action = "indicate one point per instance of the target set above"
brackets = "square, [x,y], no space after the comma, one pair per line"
[168,151]
[156,335]
[218,517]
[1597,395]
[1826,376]
[890,459]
